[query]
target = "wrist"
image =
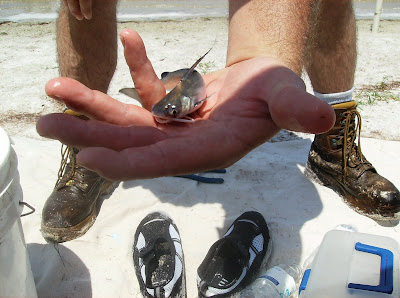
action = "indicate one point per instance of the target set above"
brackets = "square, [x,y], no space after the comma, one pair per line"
[245,52]
[277,29]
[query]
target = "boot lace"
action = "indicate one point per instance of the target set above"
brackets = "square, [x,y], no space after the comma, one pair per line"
[348,135]
[67,173]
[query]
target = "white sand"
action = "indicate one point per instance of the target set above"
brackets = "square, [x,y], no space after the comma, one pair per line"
[171,45]
[270,179]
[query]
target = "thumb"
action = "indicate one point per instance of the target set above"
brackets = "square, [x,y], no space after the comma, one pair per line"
[300,111]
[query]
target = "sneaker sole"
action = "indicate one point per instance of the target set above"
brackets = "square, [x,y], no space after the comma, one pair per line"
[60,235]
[323,178]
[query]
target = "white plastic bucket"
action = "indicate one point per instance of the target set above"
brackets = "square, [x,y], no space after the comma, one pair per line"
[16,278]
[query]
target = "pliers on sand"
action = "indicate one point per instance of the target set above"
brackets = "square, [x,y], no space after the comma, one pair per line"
[206,179]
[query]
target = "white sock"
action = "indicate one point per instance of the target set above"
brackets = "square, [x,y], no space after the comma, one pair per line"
[335,98]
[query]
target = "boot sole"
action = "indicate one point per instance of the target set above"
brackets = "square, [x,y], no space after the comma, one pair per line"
[323,178]
[67,234]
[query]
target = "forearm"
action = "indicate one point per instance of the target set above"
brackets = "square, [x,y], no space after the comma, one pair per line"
[278,29]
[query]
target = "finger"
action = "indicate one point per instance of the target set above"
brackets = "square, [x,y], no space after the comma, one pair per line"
[80,133]
[147,84]
[95,104]
[86,8]
[296,110]
[290,106]
[136,163]
[74,8]
[169,157]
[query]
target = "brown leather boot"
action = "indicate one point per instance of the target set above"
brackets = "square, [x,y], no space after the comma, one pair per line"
[73,205]
[336,161]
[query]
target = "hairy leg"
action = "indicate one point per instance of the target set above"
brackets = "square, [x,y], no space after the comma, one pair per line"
[87,49]
[333,48]
[278,29]
[87,52]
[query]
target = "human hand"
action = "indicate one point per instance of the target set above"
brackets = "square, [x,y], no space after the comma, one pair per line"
[252,100]
[80,9]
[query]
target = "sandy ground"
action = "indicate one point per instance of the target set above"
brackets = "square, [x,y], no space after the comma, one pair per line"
[170,46]
[270,179]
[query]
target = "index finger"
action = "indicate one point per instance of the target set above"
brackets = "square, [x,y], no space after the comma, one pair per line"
[147,84]
[95,104]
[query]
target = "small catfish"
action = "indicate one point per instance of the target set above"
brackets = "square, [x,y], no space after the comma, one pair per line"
[188,94]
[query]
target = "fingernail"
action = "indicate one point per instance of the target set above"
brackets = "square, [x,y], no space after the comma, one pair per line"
[79,17]
[122,39]
[88,16]
[55,86]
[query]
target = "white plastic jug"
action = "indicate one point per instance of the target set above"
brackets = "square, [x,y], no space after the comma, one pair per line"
[353,265]
[16,278]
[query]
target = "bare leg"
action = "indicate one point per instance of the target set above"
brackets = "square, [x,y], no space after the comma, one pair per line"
[335,158]
[87,49]
[277,29]
[333,51]
[87,52]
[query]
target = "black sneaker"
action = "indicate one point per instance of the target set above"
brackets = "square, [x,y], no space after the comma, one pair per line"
[233,261]
[158,257]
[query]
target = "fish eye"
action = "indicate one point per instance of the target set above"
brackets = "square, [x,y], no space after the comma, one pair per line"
[173,112]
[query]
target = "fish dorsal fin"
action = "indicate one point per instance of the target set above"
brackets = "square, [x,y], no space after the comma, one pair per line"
[189,72]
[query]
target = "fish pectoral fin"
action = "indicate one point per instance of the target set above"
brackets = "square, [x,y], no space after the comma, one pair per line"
[203,100]
[131,92]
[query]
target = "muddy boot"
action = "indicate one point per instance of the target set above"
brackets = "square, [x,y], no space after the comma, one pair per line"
[336,161]
[73,205]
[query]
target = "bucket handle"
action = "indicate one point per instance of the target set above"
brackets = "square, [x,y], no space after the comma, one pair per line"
[29,206]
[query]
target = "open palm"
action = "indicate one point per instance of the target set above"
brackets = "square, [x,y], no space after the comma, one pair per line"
[250,102]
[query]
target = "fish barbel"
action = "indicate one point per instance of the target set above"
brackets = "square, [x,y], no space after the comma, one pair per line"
[187,95]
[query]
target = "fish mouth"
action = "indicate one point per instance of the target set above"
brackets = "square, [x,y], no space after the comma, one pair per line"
[163,119]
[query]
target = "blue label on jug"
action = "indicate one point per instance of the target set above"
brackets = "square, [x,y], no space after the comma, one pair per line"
[271,279]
